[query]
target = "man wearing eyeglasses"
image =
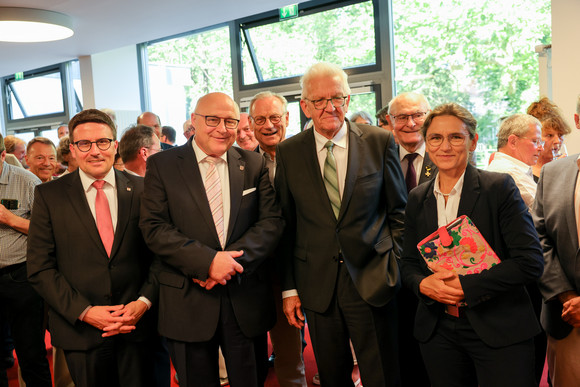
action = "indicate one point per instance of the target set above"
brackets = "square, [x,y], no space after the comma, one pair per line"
[88,260]
[519,144]
[245,134]
[209,213]
[268,120]
[343,198]
[136,146]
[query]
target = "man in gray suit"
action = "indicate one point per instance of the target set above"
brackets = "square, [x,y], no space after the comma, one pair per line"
[343,196]
[557,202]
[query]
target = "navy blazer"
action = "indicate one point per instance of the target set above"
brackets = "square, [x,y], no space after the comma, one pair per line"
[69,267]
[498,306]
[178,227]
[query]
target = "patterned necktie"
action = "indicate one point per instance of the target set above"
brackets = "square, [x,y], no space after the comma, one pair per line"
[213,190]
[104,220]
[331,179]
[411,176]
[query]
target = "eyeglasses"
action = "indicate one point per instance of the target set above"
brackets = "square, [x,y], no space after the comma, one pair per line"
[455,139]
[538,142]
[86,145]
[261,120]
[213,121]
[321,104]
[403,118]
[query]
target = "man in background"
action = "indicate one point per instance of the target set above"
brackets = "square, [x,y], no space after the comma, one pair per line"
[268,121]
[135,147]
[41,158]
[62,131]
[245,135]
[153,120]
[188,129]
[20,304]
[168,135]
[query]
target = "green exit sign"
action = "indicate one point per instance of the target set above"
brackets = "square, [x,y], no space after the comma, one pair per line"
[289,11]
[19,76]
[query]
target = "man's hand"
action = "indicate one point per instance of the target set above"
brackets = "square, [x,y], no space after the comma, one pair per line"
[102,318]
[224,266]
[571,312]
[133,310]
[293,311]
[207,284]
[443,286]
[14,221]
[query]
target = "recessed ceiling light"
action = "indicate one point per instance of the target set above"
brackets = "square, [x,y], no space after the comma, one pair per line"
[33,25]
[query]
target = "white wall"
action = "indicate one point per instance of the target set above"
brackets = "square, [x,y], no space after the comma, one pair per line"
[566,63]
[111,80]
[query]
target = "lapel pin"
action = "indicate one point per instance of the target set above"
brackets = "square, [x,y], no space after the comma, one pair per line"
[428,170]
[241,167]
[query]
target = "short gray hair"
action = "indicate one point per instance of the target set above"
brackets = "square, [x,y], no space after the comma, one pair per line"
[269,94]
[412,95]
[323,69]
[517,124]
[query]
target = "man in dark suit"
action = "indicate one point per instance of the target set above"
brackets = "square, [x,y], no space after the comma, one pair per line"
[152,120]
[343,196]
[557,225]
[87,258]
[209,214]
[406,114]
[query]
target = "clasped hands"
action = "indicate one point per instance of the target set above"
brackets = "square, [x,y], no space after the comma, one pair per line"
[571,310]
[223,267]
[115,319]
[443,286]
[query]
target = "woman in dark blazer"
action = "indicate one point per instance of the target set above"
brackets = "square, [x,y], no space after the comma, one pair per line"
[488,341]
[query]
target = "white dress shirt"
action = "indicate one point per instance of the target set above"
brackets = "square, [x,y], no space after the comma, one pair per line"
[110,190]
[519,171]
[222,169]
[447,212]
[340,152]
[417,163]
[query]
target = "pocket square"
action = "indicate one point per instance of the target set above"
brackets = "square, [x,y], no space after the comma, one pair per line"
[248,191]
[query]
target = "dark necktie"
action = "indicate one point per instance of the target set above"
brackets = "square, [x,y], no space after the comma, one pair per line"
[411,176]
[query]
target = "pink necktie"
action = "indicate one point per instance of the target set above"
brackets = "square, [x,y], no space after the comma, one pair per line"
[104,221]
[213,190]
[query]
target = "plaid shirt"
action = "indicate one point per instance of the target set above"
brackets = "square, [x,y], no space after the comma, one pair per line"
[15,183]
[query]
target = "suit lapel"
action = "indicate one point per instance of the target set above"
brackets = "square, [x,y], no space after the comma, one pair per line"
[236,170]
[191,177]
[470,191]
[430,211]
[125,202]
[354,154]
[78,201]
[428,170]
[569,176]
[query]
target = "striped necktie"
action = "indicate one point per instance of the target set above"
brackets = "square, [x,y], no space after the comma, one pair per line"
[213,190]
[331,179]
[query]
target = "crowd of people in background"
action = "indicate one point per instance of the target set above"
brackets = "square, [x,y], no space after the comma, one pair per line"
[145,251]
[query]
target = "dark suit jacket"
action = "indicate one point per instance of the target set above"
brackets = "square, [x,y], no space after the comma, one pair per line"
[69,267]
[370,224]
[553,213]
[499,308]
[178,227]
[428,170]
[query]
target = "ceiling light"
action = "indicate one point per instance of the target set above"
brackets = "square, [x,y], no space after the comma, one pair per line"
[33,25]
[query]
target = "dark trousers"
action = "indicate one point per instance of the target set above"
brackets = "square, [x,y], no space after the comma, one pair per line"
[24,310]
[115,363]
[197,363]
[456,357]
[413,372]
[373,332]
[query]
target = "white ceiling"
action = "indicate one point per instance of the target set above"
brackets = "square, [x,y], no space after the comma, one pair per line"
[103,25]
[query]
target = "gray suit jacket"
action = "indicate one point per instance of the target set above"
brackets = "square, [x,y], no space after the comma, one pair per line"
[369,228]
[553,213]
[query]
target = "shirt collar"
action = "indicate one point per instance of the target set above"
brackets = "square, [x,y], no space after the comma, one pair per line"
[525,168]
[200,155]
[87,180]
[339,139]
[4,176]
[457,188]
[403,152]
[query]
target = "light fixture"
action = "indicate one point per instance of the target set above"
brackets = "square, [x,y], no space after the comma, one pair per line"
[33,25]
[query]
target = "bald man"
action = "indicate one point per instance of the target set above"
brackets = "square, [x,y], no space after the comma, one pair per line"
[152,120]
[211,271]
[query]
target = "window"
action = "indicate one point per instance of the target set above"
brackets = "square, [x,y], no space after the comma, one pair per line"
[282,49]
[183,69]
[478,54]
[35,95]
